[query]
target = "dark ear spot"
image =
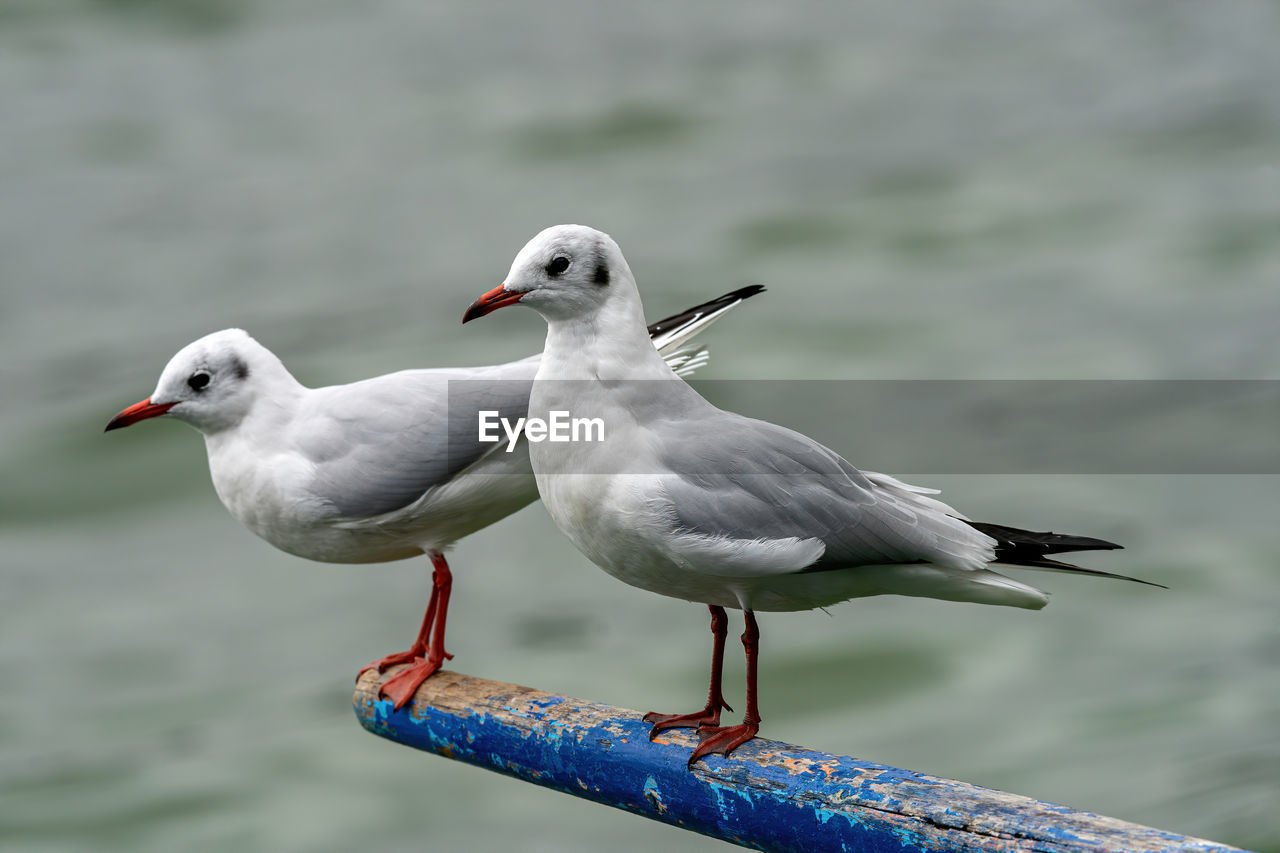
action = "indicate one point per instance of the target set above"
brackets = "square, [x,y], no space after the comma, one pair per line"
[601,275]
[240,369]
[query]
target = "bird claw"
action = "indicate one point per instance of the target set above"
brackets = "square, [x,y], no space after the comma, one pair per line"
[696,720]
[394,659]
[722,740]
[401,687]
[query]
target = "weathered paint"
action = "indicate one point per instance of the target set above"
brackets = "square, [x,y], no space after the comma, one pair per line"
[767,795]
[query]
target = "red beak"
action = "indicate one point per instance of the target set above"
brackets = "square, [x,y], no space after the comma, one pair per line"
[497,298]
[139,412]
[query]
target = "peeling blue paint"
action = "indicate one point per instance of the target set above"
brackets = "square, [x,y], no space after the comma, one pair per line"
[654,796]
[768,795]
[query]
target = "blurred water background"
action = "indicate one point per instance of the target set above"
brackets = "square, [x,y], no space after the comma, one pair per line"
[930,190]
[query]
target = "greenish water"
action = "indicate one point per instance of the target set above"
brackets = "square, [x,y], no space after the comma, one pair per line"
[929,190]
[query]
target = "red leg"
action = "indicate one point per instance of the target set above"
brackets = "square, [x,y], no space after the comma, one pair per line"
[725,740]
[710,715]
[441,585]
[417,650]
[425,658]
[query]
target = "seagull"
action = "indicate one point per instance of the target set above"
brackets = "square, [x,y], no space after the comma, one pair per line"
[687,500]
[382,469]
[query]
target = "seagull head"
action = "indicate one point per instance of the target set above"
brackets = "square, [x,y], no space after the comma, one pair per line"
[565,271]
[210,383]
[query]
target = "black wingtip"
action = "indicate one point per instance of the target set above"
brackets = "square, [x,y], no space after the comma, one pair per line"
[745,292]
[1029,549]
[1070,568]
[1035,543]
[731,298]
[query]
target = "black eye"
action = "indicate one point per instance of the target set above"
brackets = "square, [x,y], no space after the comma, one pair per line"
[198,380]
[557,265]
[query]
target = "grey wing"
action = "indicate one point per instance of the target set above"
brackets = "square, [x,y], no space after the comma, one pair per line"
[740,479]
[380,445]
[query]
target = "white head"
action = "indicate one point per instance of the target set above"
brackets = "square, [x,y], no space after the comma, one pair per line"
[211,383]
[565,271]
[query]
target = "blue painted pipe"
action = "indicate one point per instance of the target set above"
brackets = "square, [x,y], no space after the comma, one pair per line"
[767,795]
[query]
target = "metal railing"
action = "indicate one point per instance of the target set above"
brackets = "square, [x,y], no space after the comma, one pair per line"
[767,795]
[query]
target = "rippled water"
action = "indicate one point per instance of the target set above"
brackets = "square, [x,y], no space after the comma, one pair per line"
[929,190]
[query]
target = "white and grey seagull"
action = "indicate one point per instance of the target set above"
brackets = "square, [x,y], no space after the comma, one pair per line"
[687,500]
[378,470]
